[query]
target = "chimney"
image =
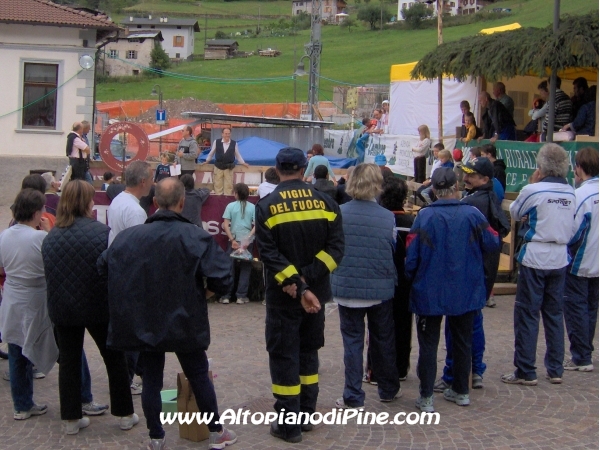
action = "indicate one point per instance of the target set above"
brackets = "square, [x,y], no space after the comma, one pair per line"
[131,18]
[149,16]
[161,19]
[165,19]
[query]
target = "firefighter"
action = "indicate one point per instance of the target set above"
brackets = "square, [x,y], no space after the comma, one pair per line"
[300,241]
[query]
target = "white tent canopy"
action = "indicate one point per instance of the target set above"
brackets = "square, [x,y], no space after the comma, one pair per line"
[415,102]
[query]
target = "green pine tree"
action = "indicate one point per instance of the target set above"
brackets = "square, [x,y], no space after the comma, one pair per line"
[159,60]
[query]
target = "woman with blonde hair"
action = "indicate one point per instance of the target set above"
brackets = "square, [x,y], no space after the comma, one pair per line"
[363,284]
[77,300]
[420,150]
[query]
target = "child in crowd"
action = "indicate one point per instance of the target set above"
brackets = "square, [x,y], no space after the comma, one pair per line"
[471,128]
[420,150]
[270,183]
[163,170]
[465,108]
[108,178]
[194,199]
[474,152]
[443,159]
[238,224]
[457,155]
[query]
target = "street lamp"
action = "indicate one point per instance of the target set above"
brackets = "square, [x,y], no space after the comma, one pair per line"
[160,105]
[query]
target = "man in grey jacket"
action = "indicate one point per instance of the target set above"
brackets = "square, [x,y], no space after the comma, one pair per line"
[187,152]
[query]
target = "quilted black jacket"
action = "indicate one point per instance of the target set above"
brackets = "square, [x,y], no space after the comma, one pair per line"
[77,296]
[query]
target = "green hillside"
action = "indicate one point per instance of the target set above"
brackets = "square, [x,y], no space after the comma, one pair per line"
[357,57]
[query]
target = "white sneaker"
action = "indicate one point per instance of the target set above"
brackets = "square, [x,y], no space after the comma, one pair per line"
[136,389]
[240,301]
[224,300]
[73,426]
[570,365]
[157,444]
[127,422]
[37,374]
[36,410]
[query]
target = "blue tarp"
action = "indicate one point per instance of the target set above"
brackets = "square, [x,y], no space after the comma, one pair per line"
[262,152]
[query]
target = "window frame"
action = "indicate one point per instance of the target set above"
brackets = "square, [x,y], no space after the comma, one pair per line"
[56,129]
[110,53]
[131,54]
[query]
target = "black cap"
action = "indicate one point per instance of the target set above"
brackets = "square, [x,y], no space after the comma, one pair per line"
[481,165]
[443,178]
[290,158]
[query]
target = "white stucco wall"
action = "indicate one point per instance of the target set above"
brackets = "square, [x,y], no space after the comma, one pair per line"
[117,67]
[63,46]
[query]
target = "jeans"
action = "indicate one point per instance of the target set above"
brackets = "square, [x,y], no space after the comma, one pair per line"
[403,331]
[539,290]
[244,278]
[70,346]
[293,339]
[195,368]
[88,177]
[21,379]
[86,381]
[581,315]
[428,334]
[478,348]
[381,344]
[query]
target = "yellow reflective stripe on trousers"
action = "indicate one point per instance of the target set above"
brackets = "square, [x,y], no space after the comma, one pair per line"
[286,273]
[298,216]
[286,390]
[309,379]
[327,260]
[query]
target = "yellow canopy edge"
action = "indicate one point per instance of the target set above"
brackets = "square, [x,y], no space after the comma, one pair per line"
[512,26]
[401,72]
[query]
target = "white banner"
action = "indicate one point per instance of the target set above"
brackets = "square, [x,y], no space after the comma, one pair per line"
[337,142]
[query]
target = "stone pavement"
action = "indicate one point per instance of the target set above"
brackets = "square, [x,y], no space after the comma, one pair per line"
[500,416]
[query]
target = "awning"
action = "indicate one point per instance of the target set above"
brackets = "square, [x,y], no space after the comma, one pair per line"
[512,26]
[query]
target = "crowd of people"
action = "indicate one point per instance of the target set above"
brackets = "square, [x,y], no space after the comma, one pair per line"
[319,239]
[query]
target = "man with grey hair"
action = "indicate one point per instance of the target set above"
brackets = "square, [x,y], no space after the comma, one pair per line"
[144,319]
[433,264]
[125,212]
[547,209]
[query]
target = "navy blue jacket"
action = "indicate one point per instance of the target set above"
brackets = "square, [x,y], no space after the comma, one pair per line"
[367,271]
[156,276]
[444,259]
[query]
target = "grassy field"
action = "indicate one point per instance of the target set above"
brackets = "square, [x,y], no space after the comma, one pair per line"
[359,57]
[279,8]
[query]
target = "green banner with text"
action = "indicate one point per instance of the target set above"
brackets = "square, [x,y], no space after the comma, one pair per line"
[519,158]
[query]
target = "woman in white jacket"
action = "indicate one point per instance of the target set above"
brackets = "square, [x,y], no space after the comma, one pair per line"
[420,150]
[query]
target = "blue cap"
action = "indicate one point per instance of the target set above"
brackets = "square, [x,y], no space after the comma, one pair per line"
[380,160]
[443,178]
[290,158]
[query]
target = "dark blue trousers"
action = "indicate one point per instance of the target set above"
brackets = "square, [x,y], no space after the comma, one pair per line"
[581,315]
[478,348]
[382,347]
[428,334]
[538,291]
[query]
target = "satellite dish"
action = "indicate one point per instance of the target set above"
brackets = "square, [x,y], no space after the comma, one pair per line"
[86,62]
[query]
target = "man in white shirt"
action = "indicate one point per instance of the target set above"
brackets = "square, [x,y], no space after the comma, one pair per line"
[547,209]
[226,152]
[125,212]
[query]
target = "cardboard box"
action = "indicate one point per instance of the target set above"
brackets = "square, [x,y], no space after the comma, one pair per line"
[186,402]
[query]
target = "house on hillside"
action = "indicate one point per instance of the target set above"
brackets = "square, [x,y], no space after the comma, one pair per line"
[451,7]
[329,8]
[129,52]
[220,48]
[46,84]
[178,34]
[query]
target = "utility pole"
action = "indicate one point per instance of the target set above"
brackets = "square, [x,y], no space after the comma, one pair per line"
[205,28]
[313,50]
[552,99]
[440,7]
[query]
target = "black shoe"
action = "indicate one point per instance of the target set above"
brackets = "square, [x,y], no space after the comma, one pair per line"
[275,432]
[306,427]
[3,355]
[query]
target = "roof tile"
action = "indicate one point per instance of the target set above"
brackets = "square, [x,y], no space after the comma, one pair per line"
[45,12]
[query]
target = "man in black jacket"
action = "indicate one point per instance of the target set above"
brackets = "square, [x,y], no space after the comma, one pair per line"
[300,240]
[489,151]
[157,303]
[496,121]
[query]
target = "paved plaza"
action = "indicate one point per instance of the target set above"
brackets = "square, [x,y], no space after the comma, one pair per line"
[500,416]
